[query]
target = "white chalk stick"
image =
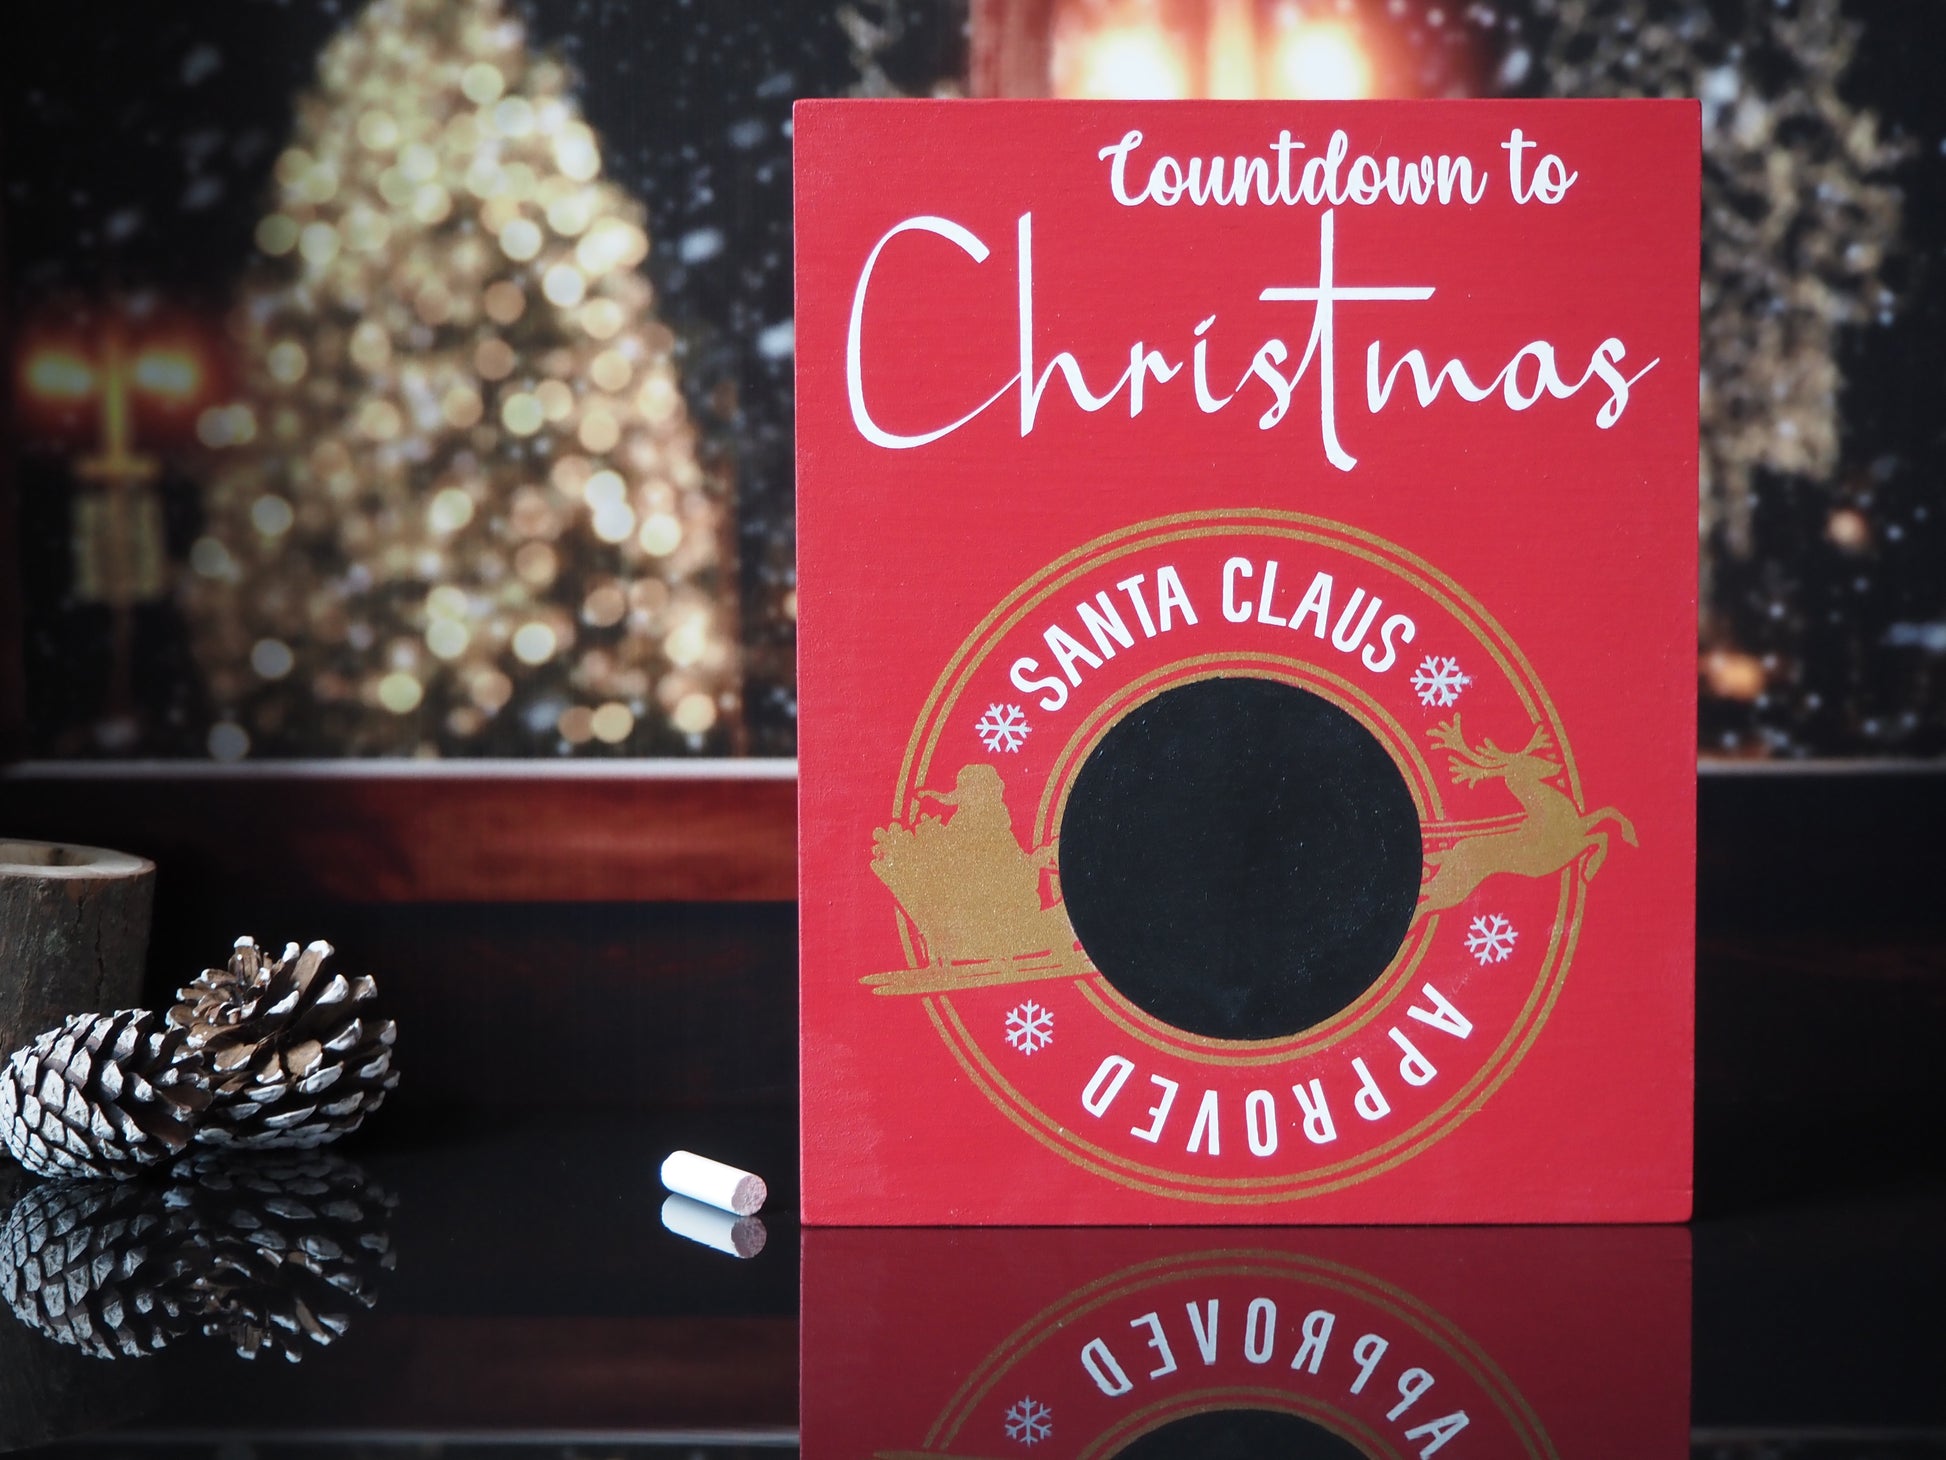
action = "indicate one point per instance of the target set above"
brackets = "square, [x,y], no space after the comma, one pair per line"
[713,1183]
[713,1227]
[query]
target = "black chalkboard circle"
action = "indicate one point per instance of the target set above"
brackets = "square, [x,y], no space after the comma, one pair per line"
[1240,858]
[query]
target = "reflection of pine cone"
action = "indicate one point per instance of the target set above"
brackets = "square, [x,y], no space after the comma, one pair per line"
[295,1060]
[292,1248]
[275,1257]
[102,1095]
[100,1266]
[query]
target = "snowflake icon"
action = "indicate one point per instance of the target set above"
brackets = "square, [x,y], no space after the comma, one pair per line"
[1030,1027]
[1029,1421]
[1439,680]
[1003,727]
[1490,938]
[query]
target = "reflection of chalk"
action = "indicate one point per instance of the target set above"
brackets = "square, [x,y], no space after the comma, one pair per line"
[688,1174]
[726,1232]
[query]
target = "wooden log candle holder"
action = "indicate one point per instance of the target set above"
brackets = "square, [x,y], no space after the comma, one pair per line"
[74,930]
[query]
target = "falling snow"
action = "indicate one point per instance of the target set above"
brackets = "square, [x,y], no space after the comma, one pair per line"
[1929,637]
[1811,117]
[1801,221]
[204,192]
[700,244]
[778,341]
[200,64]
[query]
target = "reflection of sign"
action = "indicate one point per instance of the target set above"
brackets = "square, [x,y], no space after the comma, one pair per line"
[1470,1345]
[1251,1331]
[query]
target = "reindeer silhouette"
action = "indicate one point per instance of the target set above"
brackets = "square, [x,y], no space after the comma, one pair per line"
[1550,835]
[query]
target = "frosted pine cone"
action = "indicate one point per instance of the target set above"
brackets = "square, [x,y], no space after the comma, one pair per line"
[291,1248]
[102,1267]
[102,1095]
[295,1059]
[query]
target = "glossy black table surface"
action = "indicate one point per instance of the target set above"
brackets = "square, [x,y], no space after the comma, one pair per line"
[486,1284]
[485,1269]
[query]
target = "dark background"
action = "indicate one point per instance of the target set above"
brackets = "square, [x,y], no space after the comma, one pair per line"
[138,141]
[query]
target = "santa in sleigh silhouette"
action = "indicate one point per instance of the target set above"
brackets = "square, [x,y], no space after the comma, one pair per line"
[980,904]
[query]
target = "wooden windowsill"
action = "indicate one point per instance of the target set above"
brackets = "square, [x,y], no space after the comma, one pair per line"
[1852,839]
[446,831]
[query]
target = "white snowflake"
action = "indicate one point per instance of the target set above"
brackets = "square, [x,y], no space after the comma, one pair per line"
[1490,938]
[1439,680]
[1003,727]
[1030,1027]
[1030,1422]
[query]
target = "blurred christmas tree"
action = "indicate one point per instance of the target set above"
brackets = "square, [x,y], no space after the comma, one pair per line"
[465,513]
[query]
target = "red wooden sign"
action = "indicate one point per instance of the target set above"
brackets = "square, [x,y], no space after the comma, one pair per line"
[1566,1344]
[1246,614]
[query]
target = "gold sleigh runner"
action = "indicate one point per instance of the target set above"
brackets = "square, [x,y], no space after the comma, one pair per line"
[988,911]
